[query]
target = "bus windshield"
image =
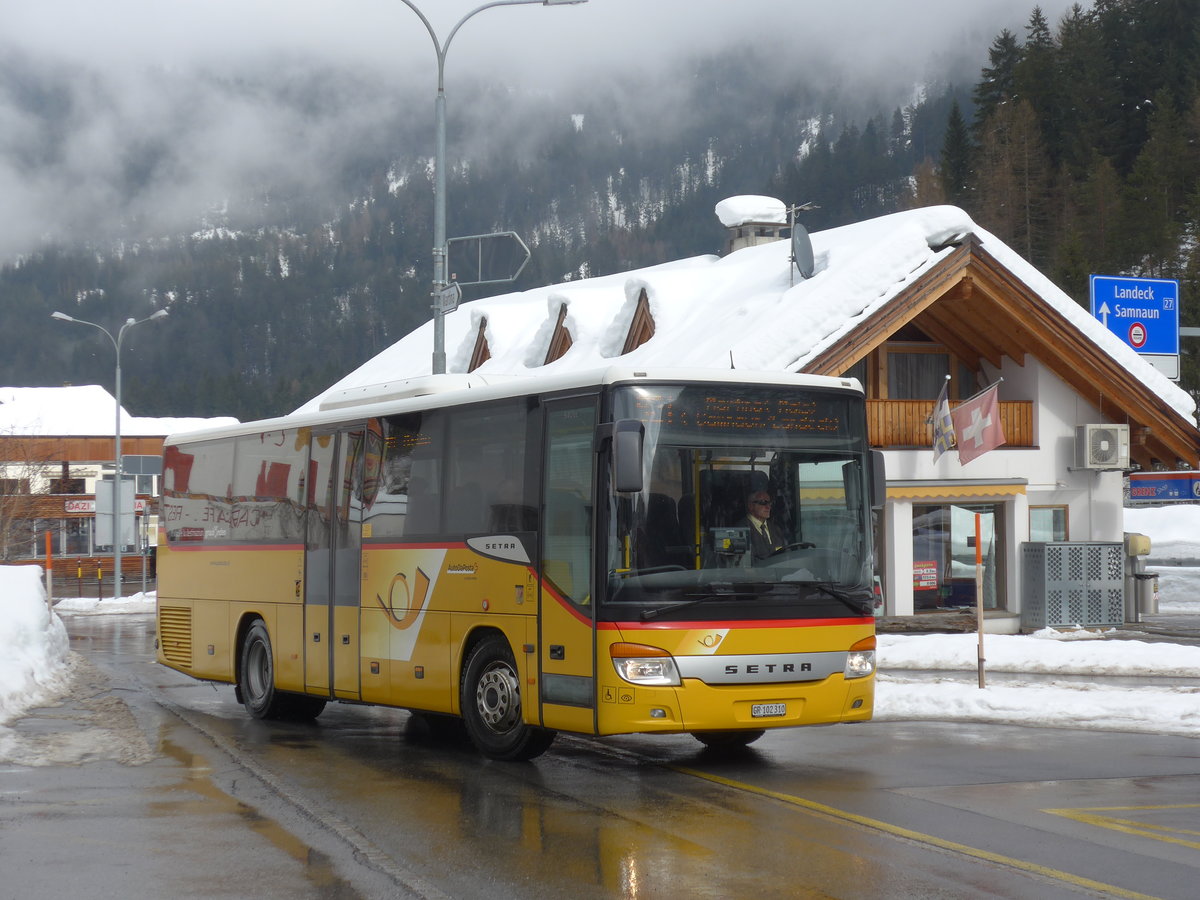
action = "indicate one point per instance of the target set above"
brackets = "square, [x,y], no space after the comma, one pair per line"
[754,506]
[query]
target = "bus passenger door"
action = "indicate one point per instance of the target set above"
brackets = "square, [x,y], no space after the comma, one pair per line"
[566,645]
[333,564]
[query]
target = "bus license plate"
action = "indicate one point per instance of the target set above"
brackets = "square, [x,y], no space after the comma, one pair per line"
[767,710]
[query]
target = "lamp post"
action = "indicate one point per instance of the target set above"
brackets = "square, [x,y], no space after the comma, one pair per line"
[440,280]
[116,497]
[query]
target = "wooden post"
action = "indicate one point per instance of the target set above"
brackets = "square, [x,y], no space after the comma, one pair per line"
[979,593]
[49,573]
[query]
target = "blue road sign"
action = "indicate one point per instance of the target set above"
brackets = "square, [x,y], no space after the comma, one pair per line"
[1143,312]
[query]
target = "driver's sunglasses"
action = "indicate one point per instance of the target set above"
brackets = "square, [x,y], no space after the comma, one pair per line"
[761,502]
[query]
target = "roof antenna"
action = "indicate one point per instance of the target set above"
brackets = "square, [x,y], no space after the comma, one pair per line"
[731,365]
[802,251]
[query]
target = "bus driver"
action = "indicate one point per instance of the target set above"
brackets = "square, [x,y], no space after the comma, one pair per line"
[764,537]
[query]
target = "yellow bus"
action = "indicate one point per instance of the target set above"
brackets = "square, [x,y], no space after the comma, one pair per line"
[534,555]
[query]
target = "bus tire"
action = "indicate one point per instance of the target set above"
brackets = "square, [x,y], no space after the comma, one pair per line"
[490,694]
[256,675]
[727,740]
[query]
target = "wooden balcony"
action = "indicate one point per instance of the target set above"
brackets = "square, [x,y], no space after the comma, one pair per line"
[894,424]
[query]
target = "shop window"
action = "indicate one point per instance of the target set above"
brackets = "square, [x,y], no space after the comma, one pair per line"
[76,537]
[944,556]
[1047,523]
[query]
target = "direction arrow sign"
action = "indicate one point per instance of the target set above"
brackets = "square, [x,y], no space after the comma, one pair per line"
[487,258]
[1142,312]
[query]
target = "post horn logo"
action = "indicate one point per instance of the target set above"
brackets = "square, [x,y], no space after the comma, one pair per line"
[404,616]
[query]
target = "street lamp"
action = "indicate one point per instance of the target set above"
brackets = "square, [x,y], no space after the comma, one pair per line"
[440,282]
[116,497]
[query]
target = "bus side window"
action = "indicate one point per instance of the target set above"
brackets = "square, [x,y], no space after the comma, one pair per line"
[405,500]
[485,458]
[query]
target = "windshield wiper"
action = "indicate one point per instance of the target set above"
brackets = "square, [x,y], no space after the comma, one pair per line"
[670,607]
[843,597]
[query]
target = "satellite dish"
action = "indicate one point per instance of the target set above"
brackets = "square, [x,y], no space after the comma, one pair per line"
[802,251]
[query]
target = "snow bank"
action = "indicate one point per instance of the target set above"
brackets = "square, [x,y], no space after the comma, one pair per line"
[137,604]
[33,642]
[1046,652]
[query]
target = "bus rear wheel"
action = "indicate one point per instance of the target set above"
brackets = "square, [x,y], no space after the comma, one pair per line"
[490,695]
[256,682]
[256,675]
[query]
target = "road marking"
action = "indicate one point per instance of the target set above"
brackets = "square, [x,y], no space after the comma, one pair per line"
[920,837]
[1090,816]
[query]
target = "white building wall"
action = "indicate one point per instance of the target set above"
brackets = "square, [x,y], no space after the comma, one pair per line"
[1094,500]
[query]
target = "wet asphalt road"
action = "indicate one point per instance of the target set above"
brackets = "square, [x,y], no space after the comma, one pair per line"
[144,783]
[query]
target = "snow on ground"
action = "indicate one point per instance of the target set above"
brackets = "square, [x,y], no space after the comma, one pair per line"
[1074,678]
[1069,679]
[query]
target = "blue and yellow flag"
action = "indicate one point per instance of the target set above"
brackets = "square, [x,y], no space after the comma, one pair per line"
[943,425]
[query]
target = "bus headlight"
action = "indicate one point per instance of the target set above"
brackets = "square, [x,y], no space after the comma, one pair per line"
[860,661]
[641,664]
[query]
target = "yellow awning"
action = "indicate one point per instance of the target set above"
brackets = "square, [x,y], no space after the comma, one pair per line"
[954,490]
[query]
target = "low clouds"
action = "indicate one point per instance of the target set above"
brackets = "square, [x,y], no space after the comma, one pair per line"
[141,116]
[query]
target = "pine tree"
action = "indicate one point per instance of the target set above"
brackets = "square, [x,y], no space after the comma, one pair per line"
[1014,179]
[927,186]
[998,84]
[956,172]
[1157,190]
[1083,73]
[1035,80]
[1099,214]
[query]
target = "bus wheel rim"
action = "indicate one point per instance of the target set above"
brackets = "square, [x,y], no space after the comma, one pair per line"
[257,674]
[497,697]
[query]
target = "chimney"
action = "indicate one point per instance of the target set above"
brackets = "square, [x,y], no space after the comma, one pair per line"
[751,220]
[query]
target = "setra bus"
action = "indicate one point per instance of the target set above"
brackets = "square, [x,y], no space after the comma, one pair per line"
[534,555]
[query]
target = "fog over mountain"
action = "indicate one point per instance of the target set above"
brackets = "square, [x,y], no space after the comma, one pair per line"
[136,117]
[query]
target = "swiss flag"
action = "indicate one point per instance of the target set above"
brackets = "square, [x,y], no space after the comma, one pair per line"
[977,425]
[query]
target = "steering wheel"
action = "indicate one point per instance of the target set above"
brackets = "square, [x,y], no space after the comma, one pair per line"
[800,545]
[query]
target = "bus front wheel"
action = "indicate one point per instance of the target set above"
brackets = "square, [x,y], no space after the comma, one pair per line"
[491,704]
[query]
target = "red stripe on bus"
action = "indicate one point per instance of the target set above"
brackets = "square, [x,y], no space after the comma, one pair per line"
[732,623]
[459,545]
[226,548]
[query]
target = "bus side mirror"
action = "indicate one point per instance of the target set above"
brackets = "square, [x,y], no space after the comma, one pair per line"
[878,480]
[627,455]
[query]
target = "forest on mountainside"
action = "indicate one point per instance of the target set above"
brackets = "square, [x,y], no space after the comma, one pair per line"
[1079,145]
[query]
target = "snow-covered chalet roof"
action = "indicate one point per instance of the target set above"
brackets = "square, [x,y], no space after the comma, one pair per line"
[82,411]
[747,309]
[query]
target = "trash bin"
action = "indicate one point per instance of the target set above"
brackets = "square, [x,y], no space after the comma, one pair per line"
[1146,586]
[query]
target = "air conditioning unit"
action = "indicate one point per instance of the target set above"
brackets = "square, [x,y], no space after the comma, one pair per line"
[1102,446]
